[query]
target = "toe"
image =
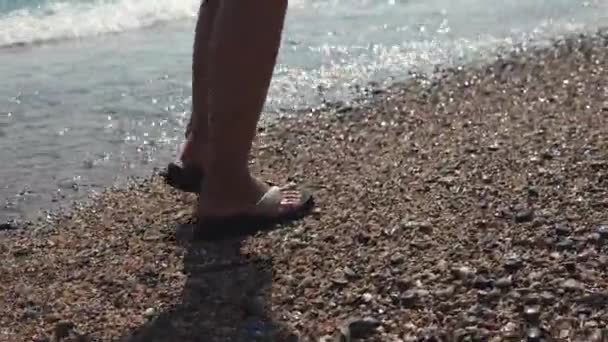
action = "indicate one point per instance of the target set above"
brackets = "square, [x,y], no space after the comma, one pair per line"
[291,200]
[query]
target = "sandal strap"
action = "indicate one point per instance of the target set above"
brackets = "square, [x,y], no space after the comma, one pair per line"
[270,201]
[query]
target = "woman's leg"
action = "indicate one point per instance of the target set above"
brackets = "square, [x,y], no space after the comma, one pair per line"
[244,46]
[200,85]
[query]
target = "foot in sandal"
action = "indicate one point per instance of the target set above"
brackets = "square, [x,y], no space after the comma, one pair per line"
[252,206]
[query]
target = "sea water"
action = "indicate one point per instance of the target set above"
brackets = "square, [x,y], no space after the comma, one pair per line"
[93,91]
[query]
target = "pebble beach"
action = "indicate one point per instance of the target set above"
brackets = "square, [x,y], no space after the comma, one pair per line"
[470,206]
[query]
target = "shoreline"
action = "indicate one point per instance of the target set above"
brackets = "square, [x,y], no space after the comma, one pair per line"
[471,204]
[28,204]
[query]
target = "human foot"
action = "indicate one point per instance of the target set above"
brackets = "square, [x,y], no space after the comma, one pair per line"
[185,178]
[273,205]
[189,176]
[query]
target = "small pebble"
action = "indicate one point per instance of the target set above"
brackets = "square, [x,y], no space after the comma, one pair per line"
[405,283]
[421,225]
[367,297]
[602,260]
[149,313]
[513,263]
[481,282]
[339,280]
[62,329]
[562,230]
[510,329]
[348,272]
[446,292]
[564,334]
[534,334]
[570,266]
[524,215]
[504,283]
[41,339]
[532,191]
[10,225]
[490,296]
[602,231]
[532,299]
[591,324]
[397,258]
[565,244]
[409,299]
[556,255]
[571,284]
[547,297]
[360,328]
[593,237]
[463,272]
[532,314]
[583,310]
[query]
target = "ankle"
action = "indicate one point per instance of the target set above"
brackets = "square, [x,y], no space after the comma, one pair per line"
[233,185]
[193,152]
[226,180]
[228,195]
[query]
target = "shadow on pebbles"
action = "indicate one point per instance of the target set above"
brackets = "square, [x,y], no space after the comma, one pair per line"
[468,207]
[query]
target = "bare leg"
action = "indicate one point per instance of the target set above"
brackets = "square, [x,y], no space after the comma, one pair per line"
[200,85]
[244,46]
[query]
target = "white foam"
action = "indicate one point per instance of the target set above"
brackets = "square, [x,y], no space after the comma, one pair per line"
[68,20]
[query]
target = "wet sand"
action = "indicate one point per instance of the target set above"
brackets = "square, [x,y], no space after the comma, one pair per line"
[472,206]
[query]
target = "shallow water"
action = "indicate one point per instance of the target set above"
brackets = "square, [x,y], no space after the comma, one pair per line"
[95,91]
